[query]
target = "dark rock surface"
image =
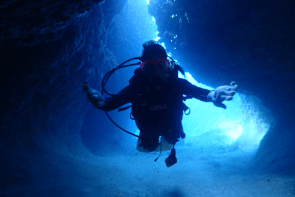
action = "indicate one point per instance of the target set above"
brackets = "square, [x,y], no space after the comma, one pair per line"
[48,48]
[29,22]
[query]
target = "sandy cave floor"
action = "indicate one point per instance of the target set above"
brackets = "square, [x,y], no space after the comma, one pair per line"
[195,174]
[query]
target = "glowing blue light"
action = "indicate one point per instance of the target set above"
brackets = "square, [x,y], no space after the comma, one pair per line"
[190,78]
[157,38]
[211,126]
[148,1]
[154,19]
[232,129]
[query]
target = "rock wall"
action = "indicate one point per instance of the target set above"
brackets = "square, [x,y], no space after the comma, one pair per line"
[48,49]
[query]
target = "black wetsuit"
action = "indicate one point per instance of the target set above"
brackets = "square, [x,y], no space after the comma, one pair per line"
[156,112]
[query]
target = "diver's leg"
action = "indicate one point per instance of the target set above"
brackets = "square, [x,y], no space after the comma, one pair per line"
[165,145]
[140,148]
[147,143]
[172,136]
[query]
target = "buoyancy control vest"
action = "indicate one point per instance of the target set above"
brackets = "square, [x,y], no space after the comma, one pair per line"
[163,108]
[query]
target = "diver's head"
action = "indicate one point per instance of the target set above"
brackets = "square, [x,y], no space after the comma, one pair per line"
[154,62]
[152,49]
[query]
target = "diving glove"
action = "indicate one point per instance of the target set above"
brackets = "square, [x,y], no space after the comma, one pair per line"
[223,93]
[94,96]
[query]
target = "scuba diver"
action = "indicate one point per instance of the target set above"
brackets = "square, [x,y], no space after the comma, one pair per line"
[157,96]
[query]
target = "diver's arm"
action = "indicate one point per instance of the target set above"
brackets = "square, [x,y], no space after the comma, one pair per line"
[109,103]
[93,95]
[217,96]
[223,93]
[117,100]
[191,90]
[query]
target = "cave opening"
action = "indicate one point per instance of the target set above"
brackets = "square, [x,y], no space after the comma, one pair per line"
[208,128]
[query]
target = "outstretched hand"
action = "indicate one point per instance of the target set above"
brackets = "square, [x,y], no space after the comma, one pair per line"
[93,96]
[223,93]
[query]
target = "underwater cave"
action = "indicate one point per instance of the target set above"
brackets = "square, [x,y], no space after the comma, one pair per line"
[54,142]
